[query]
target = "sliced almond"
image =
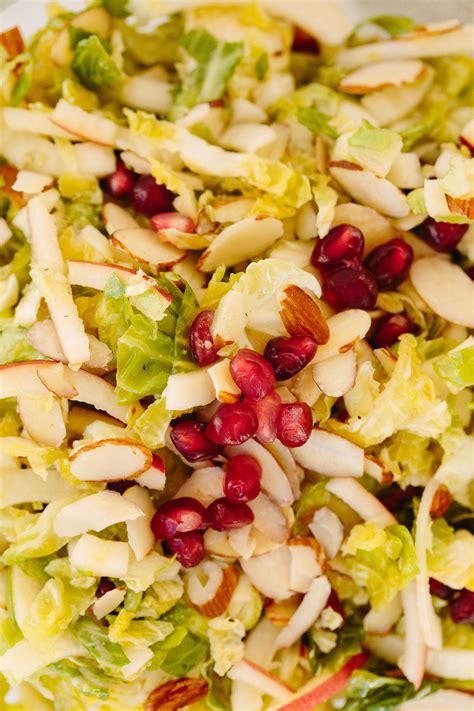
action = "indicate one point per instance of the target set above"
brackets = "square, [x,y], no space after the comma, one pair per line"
[42,419]
[360,500]
[140,536]
[307,562]
[100,557]
[269,518]
[345,328]
[147,93]
[117,218]
[429,41]
[28,181]
[461,206]
[279,613]
[374,468]
[302,316]
[406,172]
[144,245]
[446,288]
[155,476]
[255,677]
[233,209]
[328,530]
[262,571]
[335,376]
[8,174]
[307,613]
[80,417]
[217,544]
[110,460]
[441,502]
[224,385]
[108,602]
[185,391]
[32,121]
[91,127]
[369,189]
[58,380]
[94,513]
[330,455]
[241,241]
[176,694]
[243,541]
[219,602]
[44,339]
[380,75]
[94,390]
[12,41]
[22,378]
[205,485]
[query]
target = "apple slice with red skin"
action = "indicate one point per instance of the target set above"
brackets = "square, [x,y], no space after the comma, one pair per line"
[317,692]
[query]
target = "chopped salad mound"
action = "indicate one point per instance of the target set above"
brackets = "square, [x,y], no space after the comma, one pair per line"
[236,307]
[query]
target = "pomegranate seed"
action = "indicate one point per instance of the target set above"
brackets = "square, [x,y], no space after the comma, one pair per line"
[190,439]
[178,516]
[158,463]
[389,328]
[336,604]
[440,589]
[467,143]
[350,287]
[224,515]
[252,374]
[290,355]
[120,182]
[304,42]
[104,586]
[395,499]
[120,486]
[390,263]
[172,220]
[242,479]
[267,410]
[470,273]
[148,198]
[342,246]
[188,548]
[442,236]
[294,425]
[200,339]
[232,424]
[461,607]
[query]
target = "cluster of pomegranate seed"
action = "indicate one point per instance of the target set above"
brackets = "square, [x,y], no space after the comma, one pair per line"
[146,196]
[442,236]
[349,283]
[461,602]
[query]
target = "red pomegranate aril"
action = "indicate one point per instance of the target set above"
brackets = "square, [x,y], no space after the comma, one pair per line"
[178,516]
[289,355]
[440,589]
[172,221]
[120,486]
[461,607]
[223,515]
[232,424]
[242,479]
[105,586]
[389,328]
[252,373]
[470,273]
[342,246]
[120,182]
[350,288]
[390,263]
[304,42]
[267,410]
[467,143]
[190,439]
[188,548]
[149,198]
[442,236]
[202,346]
[294,424]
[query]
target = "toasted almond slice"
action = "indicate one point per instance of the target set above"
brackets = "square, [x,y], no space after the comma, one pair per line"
[225,388]
[446,288]
[212,598]
[302,316]
[27,181]
[360,500]
[430,41]
[369,189]
[95,391]
[461,206]
[110,460]
[380,75]
[274,479]
[12,41]
[94,513]
[176,694]
[240,241]
[307,613]
[442,500]
[58,380]
[205,485]
[330,455]
[233,209]
[87,126]
[140,536]
[374,468]
[280,613]
[116,218]
[328,530]
[144,245]
[108,602]
[335,376]
[307,562]
[261,571]
[269,519]
[390,105]
[42,419]
[345,328]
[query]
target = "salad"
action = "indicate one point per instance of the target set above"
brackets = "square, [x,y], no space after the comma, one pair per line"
[236,294]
